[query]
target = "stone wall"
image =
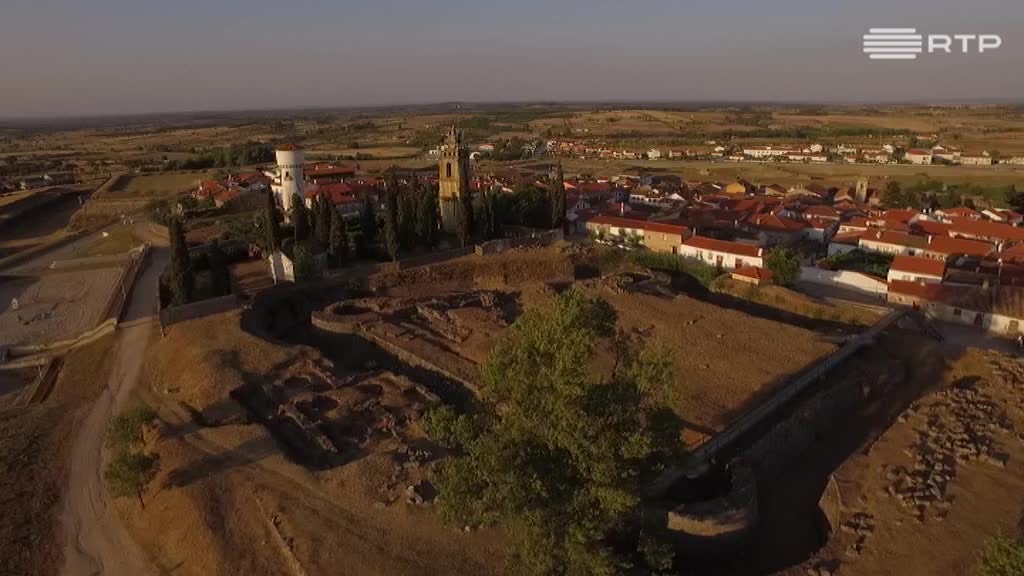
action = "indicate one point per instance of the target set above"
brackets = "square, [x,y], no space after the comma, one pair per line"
[208,307]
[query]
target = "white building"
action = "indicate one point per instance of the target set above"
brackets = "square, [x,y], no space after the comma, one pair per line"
[917,269]
[983,160]
[919,156]
[722,253]
[287,180]
[997,310]
[654,154]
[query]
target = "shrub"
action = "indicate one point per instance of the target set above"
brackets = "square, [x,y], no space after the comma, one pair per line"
[126,428]
[1002,557]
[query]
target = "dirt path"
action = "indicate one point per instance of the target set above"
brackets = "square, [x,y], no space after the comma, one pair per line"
[95,541]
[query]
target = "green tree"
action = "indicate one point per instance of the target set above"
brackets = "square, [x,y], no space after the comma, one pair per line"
[368,218]
[784,265]
[1002,557]
[300,219]
[182,279]
[894,196]
[426,216]
[128,473]
[324,220]
[220,275]
[125,429]
[562,463]
[272,222]
[337,247]
[557,198]
[407,216]
[391,232]
[303,262]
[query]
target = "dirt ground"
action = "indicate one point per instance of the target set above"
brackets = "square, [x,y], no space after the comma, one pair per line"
[34,450]
[712,384]
[370,512]
[54,306]
[12,382]
[946,476]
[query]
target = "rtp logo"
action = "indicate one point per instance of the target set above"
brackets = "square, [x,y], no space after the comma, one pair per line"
[906,43]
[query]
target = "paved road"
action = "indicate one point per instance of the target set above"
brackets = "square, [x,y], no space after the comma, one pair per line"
[95,541]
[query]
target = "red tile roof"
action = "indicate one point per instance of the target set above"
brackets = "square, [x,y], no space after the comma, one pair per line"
[895,238]
[847,238]
[919,265]
[986,229]
[951,246]
[762,275]
[1004,300]
[899,215]
[931,227]
[647,225]
[961,211]
[287,147]
[337,193]
[705,243]
[774,223]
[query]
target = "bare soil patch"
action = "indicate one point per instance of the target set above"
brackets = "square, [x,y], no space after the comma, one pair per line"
[34,449]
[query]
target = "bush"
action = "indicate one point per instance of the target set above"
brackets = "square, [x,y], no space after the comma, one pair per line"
[1002,557]
[126,428]
[784,265]
[129,472]
[874,263]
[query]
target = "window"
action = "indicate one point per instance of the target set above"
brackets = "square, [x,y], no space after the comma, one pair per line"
[957,312]
[448,170]
[1014,326]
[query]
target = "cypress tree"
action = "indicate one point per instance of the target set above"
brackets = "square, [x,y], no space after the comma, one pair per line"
[368,219]
[391,232]
[337,246]
[272,221]
[464,213]
[324,220]
[220,276]
[557,195]
[300,220]
[426,216]
[407,217]
[182,278]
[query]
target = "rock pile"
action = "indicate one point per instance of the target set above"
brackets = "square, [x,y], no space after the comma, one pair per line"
[861,525]
[959,427]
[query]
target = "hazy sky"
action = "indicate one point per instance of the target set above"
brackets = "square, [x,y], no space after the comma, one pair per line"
[125,56]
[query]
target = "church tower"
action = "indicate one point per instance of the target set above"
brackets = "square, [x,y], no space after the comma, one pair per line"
[454,174]
[862,190]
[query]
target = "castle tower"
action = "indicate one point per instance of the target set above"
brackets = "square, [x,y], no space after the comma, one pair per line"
[288,179]
[453,177]
[862,190]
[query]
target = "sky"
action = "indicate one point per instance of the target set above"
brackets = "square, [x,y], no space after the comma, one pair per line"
[85,57]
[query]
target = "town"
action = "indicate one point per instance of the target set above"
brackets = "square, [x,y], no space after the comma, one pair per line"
[564,289]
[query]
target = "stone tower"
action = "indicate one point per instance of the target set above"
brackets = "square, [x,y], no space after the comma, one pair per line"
[453,177]
[862,190]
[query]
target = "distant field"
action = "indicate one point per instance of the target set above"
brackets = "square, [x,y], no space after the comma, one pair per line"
[785,173]
[156,185]
[376,152]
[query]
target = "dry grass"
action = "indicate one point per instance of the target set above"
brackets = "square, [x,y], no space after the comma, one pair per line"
[797,303]
[34,448]
[119,241]
[156,186]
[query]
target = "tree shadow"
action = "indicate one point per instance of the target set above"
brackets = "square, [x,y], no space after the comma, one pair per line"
[249,452]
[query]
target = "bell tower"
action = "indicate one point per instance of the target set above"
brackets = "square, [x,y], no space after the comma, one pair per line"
[453,177]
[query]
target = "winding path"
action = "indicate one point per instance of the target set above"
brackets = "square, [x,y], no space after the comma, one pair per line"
[95,541]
